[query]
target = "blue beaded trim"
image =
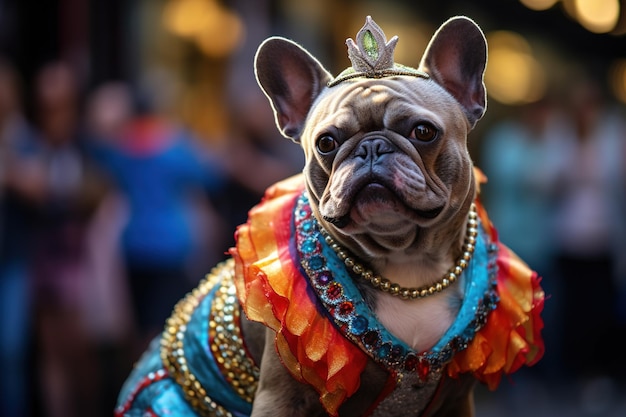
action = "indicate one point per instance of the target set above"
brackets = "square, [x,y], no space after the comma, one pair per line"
[334,285]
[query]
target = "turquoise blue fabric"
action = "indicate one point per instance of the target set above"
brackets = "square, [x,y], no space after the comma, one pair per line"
[165,397]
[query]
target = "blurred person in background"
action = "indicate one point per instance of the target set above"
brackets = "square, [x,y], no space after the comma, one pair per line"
[516,158]
[69,191]
[588,228]
[108,108]
[20,181]
[165,177]
[255,155]
[557,188]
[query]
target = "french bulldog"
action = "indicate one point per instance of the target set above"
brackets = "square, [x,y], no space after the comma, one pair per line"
[372,284]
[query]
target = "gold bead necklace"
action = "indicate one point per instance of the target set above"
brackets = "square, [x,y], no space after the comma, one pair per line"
[395,289]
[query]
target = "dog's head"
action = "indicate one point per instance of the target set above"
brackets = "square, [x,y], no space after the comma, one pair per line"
[387,166]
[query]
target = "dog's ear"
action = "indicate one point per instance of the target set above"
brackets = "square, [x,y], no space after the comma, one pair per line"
[456,58]
[291,78]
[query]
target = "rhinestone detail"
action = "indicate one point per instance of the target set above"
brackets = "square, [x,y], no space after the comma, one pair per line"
[358,323]
[226,341]
[173,349]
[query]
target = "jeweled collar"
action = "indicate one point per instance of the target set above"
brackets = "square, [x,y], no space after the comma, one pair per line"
[335,287]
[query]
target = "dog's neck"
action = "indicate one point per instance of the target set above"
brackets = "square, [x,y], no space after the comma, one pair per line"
[420,323]
[422,264]
[429,317]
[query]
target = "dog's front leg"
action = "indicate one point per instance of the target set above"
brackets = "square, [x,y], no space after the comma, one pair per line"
[278,394]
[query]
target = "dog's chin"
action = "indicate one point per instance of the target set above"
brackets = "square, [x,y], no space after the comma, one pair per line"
[377,205]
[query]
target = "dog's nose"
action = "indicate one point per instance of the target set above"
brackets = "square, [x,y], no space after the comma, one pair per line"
[373,148]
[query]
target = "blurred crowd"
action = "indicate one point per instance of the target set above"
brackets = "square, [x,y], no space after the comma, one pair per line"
[111,209]
[557,194]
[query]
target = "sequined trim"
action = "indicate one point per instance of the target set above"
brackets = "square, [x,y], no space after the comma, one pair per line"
[329,276]
[173,349]
[227,343]
[149,379]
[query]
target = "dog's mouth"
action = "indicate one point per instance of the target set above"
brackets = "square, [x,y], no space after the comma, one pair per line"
[430,214]
[375,199]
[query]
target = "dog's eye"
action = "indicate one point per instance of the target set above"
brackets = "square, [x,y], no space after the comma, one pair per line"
[326,144]
[424,132]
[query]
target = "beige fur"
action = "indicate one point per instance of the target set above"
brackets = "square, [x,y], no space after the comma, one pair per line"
[399,204]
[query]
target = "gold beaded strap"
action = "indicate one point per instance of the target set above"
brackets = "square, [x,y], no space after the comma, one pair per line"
[225,339]
[227,345]
[385,285]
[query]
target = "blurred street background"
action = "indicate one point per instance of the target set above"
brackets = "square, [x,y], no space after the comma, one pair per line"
[134,139]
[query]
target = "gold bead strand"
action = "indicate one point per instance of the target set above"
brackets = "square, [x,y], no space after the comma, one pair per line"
[395,289]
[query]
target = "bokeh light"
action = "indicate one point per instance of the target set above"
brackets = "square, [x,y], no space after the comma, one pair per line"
[216,30]
[513,74]
[223,34]
[598,16]
[539,4]
[187,18]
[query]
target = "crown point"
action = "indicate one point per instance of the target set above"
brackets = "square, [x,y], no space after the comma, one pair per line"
[371,55]
[371,52]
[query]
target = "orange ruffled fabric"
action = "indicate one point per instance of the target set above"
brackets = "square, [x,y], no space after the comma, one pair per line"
[512,335]
[272,291]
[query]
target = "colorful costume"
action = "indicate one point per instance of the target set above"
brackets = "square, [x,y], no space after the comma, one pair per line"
[289,279]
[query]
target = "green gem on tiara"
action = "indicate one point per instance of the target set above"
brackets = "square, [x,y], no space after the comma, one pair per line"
[372,56]
[370,45]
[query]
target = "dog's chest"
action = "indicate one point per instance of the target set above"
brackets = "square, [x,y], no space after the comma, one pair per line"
[419,323]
